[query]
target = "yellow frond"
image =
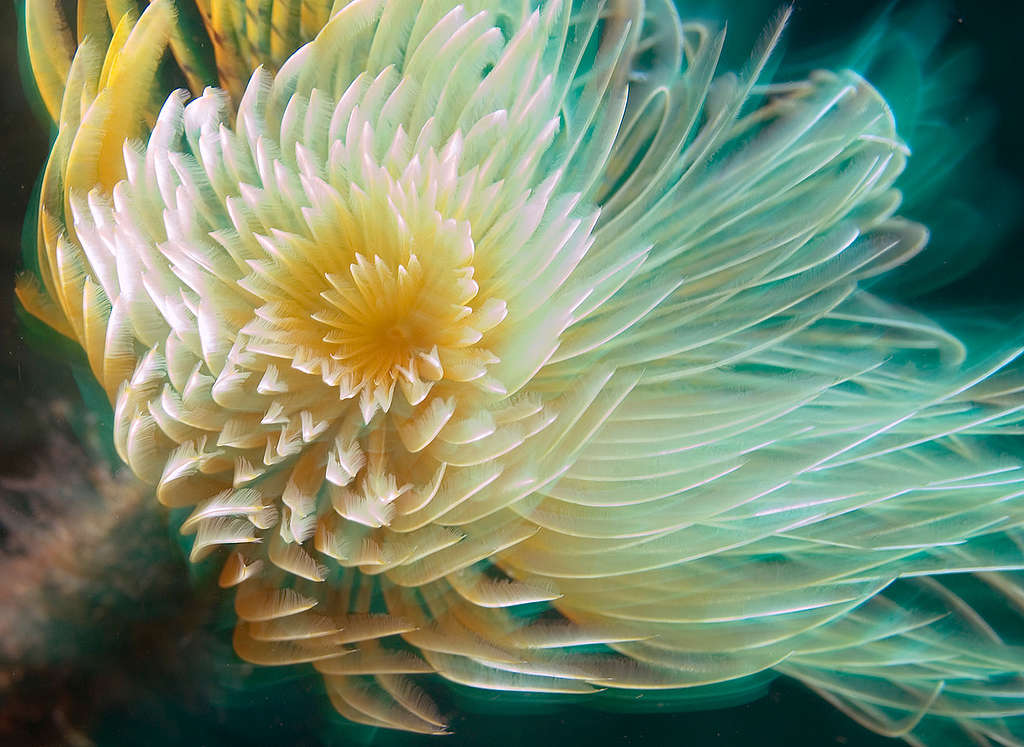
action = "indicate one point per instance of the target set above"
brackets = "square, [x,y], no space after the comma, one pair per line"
[50,49]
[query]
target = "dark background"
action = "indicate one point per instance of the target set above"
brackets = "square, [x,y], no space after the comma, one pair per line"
[149,682]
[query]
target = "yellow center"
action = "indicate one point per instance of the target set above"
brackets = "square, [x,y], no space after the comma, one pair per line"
[408,313]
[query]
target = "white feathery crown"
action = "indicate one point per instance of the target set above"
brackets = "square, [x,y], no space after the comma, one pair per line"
[435,311]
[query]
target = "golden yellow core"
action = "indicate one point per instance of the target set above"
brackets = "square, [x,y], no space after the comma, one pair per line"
[384,320]
[378,295]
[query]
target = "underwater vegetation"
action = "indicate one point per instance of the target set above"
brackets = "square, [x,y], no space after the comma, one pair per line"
[523,346]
